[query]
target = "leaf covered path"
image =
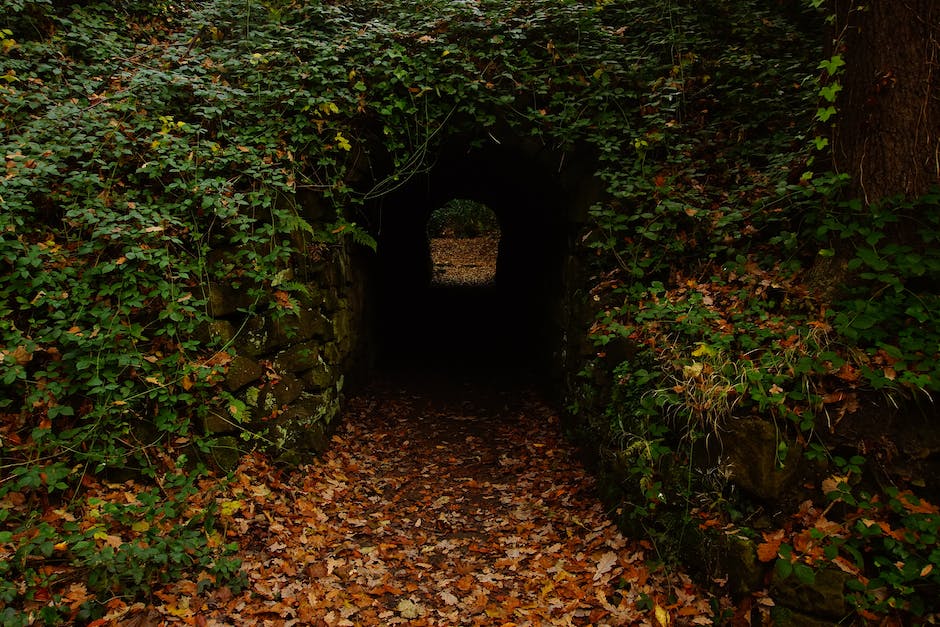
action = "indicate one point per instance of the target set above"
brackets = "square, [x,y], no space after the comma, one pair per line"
[457,509]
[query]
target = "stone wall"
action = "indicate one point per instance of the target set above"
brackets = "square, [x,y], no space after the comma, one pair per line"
[288,365]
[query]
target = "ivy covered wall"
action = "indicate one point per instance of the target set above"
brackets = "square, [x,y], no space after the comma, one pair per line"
[190,190]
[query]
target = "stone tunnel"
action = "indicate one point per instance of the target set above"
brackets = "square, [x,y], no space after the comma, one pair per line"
[516,325]
[360,310]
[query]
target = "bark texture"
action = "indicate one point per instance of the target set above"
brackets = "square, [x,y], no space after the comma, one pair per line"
[888,135]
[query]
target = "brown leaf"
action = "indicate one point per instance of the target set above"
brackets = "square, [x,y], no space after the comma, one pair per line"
[21,356]
[604,564]
[770,547]
[831,484]
[848,372]
[845,565]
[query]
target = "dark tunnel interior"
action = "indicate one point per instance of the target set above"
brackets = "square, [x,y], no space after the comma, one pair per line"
[506,329]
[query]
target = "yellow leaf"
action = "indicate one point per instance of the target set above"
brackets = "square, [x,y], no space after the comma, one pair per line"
[152,380]
[328,107]
[227,508]
[704,349]
[141,526]
[182,609]
[662,616]
[343,142]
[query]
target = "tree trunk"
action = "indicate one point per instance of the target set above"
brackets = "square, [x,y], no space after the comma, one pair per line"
[887,137]
[887,132]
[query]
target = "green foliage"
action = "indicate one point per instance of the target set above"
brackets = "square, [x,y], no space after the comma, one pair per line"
[890,309]
[886,543]
[714,223]
[462,218]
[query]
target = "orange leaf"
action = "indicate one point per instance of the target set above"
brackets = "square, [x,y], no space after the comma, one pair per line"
[915,505]
[848,372]
[21,356]
[845,565]
[283,299]
[768,549]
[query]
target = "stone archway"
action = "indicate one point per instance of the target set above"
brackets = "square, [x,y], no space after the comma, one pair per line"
[521,321]
[358,308]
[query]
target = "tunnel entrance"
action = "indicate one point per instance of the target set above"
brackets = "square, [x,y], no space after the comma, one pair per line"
[464,238]
[511,325]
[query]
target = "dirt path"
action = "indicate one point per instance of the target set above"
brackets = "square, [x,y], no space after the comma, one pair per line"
[462,509]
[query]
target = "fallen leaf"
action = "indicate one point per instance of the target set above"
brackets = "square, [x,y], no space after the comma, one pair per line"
[604,564]
[408,609]
[767,550]
[662,616]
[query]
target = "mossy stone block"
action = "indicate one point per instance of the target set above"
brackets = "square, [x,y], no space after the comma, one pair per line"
[751,446]
[825,596]
[241,372]
[226,452]
[298,358]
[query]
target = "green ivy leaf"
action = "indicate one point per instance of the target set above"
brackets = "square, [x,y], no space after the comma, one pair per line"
[832,65]
[829,92]
[823,114]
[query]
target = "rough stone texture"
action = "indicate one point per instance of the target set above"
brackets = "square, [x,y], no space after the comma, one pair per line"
[241,372]
[305,427]
[224,300]
[264,334]
[825,596]
[286,389]
[735,558]
[226,452]
[751,449]
[216,422]
[319,377]
[216,333]
[289,369]
[786,617]
[301,357]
